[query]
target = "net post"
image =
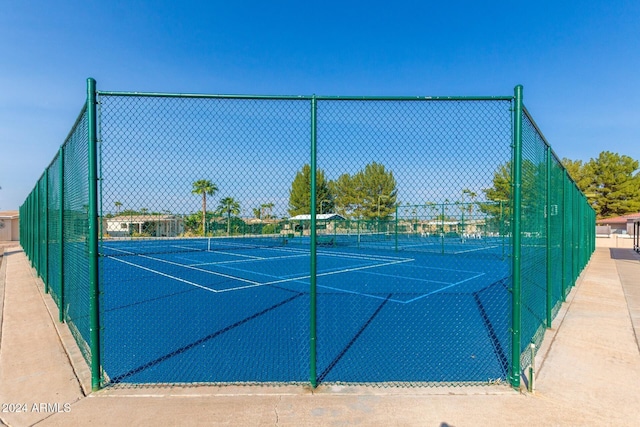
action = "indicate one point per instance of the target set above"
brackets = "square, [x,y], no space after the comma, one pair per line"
[517,250]
[548,240]
[94,328]
[396,228]
[442,231]
[313,376]
[45,273]
[35,263]
[565,208]
[61,236]
[501,227]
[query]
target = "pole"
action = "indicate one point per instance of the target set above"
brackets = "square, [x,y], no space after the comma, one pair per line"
[565,208]
[442,230]
[61,236]
[94,306]
[517,250]
[45,272]
[396,228]
[548,242]
[313,375]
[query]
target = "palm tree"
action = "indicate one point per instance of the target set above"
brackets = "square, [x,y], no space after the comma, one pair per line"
[118,205]
[267,207]
[204,187]
[229,206]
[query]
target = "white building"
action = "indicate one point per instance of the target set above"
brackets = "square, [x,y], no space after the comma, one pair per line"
[143,225]
[9,226]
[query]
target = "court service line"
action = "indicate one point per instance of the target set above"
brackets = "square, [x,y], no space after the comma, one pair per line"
[346,255]
[236,254]
[165,275]
[446,287]
[235,261]
[284,277]
[414,279]
[444,269]
[477,249]
[217,252]
[346,270]
[240,279]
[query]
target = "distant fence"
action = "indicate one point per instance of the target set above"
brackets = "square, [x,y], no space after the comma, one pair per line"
[306,239]
[603,231]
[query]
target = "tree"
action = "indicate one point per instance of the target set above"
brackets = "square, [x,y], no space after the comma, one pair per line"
[468,206]
[118,205]
[229,206]
[300,193]
[266,210]
[499,209]
[370,194]
[204,187]
[344,192]
[579,172]
[375,192]
[614,185]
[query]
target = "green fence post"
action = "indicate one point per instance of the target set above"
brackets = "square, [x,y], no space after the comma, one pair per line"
[61,236]
[576,234]
[396,228]
[517,250]
[313,376]
[94,327]
[36,228]
[442,231]
[45,275]
[548,242]
[565,208]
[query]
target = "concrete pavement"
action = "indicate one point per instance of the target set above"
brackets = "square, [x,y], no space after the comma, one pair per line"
[588,372]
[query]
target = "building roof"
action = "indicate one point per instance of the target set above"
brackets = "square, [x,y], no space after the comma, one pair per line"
[321,217]
[146,217]
[619,219]
[9,214]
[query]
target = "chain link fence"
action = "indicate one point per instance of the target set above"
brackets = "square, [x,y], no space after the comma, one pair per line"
[267,239]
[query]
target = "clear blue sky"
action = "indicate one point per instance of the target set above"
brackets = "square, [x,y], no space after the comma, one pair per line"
[579,62]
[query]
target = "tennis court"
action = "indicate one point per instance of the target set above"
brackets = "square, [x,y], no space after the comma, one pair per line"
[207,238]
[243,307]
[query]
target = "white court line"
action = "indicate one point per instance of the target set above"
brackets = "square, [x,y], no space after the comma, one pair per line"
[235,254]
[446,287]
[477,249]
[348,255]
[217,252]
[120,250]
[346,270]
[248,260]
[414,279]
[325,272]
[165,275]
[240,279]
[444,269]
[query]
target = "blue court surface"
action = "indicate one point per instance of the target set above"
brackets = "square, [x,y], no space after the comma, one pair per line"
[175,313]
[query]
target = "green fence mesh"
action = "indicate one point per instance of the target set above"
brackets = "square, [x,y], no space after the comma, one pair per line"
[258,239]
[556,219]
[54,248]
[76,258]
[534,236]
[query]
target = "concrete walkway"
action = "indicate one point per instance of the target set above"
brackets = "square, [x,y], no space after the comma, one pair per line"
[588,373]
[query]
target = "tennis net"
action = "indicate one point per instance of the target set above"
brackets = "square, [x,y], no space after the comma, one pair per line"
[133,247]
